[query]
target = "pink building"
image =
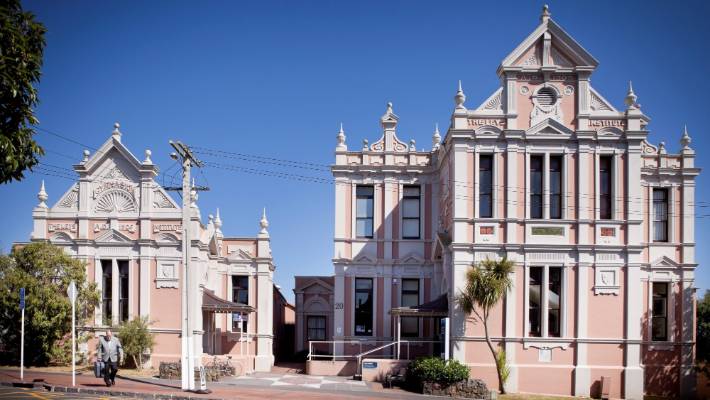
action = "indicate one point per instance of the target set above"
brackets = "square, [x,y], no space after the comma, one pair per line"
[551,175]
[128,230]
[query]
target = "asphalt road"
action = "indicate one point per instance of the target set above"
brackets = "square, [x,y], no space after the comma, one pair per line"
[23,393]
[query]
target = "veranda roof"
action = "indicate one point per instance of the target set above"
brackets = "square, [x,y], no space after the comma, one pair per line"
[212,303]
[438,307]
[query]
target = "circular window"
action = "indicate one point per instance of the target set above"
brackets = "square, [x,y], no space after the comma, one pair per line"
[546,97]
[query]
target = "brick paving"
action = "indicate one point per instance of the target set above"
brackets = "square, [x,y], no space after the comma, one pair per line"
[252,387]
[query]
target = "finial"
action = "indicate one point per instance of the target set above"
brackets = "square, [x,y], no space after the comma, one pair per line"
[685,139]
[217,221]
[193,195]
[147,160]
[365,144]
[264,223]
[341,139]
[545,13]
[389,107]
[116,132]
[412,145]
[436,138]
[631,97]
[460,98]
[42,196]
[662,148]
[86,156]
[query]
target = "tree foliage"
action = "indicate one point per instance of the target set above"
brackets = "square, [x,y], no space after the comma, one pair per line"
[702,350]
[21,47]
[486,284]
[45,271]
[136,339]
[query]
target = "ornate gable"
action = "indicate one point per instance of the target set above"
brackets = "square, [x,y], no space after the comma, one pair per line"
[548,46]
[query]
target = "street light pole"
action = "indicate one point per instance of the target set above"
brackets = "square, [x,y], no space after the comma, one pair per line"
[183,153]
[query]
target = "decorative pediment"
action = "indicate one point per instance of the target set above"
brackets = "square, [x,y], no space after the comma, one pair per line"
[239,254]
[316,283]
[167,238]
[411,258]
[549,127]
[494,103]
[115,200]
[364,259]
[664,262]
[70,199]
[598,104]
[112,236]
[61,237]
[549,46]
[162,200]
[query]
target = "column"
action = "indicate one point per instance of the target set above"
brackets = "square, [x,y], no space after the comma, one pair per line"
[546,187]
[339,312]
[264,352]
[582,373]
[299,323]
[144,276]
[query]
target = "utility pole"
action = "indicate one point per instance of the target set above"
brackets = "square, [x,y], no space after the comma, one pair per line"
[184,154]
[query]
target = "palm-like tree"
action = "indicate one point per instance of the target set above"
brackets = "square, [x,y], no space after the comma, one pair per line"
[486,284]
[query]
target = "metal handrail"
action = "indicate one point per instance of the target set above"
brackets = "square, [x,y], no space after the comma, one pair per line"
[360,343]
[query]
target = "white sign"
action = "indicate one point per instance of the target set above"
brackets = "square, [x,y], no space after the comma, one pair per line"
[71,292]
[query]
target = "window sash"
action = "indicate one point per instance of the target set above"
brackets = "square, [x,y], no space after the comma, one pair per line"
[123,284]
[411,212]
[555,171]
[606,179]
[364,211]
[316,328]
[536,187]
[554,299]
[107,289]
[535,302]
[659,312]
[660,215]
[485,187]
[363,306]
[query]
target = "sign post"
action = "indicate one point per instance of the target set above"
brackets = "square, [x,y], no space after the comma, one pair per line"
[71,292]
[22,334]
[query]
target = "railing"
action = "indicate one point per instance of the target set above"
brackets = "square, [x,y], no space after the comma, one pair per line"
[396,347]
[313,347]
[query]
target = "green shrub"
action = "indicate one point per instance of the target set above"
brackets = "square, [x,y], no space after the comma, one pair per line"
[434,369]
[136,339]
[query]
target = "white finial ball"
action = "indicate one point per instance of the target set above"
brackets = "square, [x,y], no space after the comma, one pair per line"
[86,153]
[148,153]
[116,125]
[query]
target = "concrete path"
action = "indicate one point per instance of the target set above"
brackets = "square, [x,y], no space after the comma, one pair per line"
[259,386]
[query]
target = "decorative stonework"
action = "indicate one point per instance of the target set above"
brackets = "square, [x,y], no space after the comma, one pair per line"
[597,104]
[160,200]
[166,275]
[493,103]
[71,199]
[546,104]
[62,227]
[606,280]
[117,200]
[115,173]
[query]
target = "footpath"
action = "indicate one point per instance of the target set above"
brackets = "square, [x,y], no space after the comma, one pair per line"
[151,388]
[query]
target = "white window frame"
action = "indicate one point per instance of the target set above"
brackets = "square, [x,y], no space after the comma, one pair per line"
[616,179]
[670,313]
[494,182]
[564,153]
[421,210]
[544,303]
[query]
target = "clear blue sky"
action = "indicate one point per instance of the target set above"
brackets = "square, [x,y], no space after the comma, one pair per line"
[276,79]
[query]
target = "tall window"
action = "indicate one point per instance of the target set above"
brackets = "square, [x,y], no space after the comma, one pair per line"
[364,211]
[554,293]
[410,298]
[316,327]
[555,187]
[535,302]
[485,188]
[410,212]
[659,320]
[660,215]
[605,181]
[535,186]
[123,290]
[106,288]
[545,302]
[363,306]
[240,294]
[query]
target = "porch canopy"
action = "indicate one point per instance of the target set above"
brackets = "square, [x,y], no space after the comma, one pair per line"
[214,304]
[438,307]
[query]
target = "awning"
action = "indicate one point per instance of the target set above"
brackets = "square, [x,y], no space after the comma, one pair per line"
[438,307]
[212,303]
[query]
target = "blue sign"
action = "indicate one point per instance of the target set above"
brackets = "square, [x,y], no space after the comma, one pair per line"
[22,298]
[369,364]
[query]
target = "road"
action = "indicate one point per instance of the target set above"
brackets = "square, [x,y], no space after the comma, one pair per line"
[24,393]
